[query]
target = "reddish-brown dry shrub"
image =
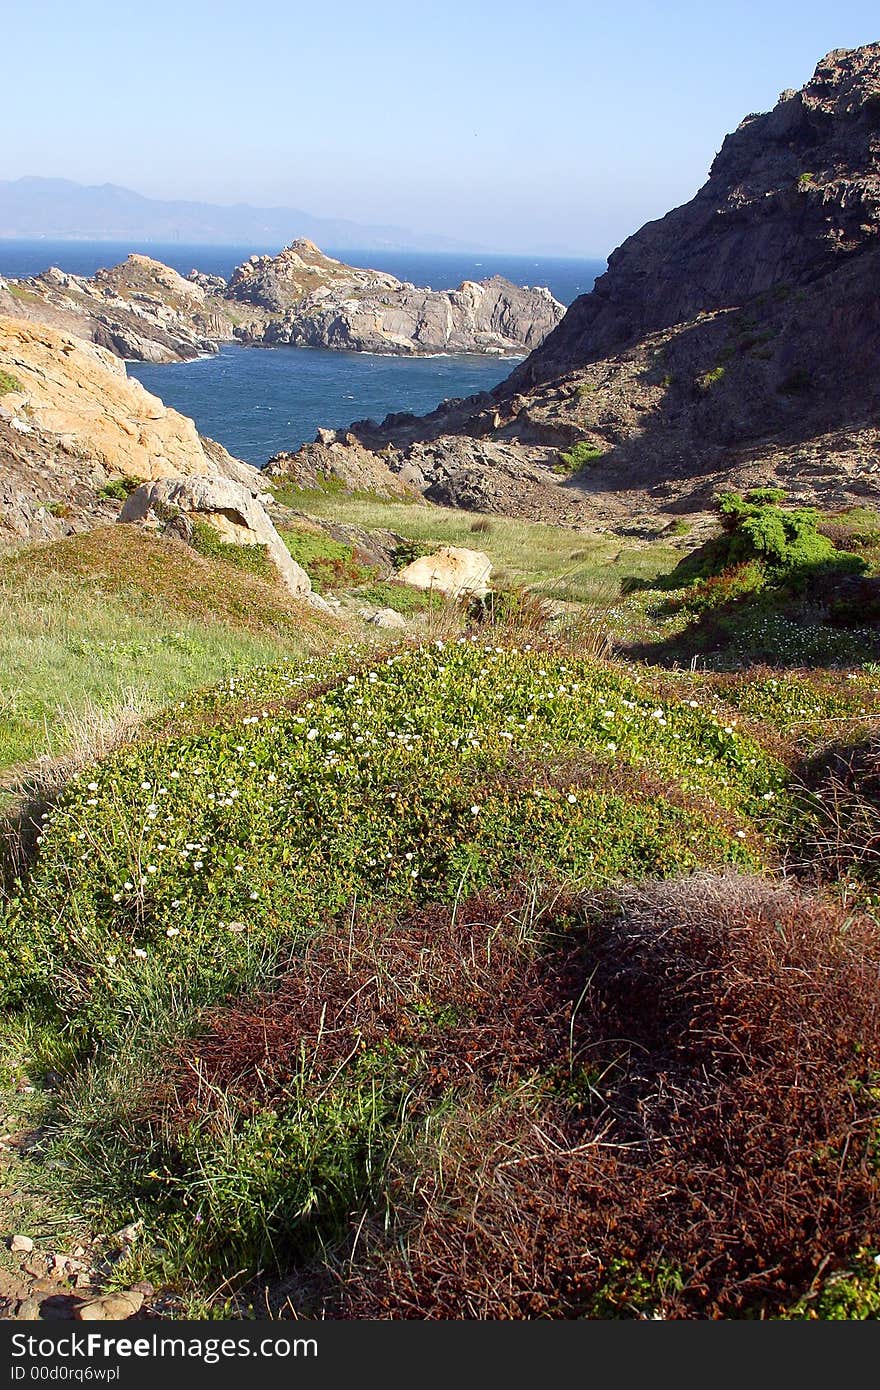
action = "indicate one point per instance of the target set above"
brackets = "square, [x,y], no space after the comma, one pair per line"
[844,825]
[661,1100]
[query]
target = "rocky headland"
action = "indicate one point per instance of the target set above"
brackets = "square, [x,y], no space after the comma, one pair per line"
[144,310]
[731,343]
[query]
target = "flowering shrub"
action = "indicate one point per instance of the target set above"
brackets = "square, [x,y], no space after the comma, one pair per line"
[436,768]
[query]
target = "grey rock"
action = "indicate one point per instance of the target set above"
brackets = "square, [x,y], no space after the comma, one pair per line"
[227,506]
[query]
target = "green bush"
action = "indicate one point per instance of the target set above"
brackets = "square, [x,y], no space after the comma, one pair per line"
[579,456]
[117,489]
[8,382]
[786,541]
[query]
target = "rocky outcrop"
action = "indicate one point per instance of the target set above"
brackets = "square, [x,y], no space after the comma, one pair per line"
[316,301]
[74,427]
[140,309]
[231,510]
[733,342]
[144,310]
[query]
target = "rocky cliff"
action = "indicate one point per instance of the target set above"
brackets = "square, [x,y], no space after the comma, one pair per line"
[72,422]
[144,310]
[734,341]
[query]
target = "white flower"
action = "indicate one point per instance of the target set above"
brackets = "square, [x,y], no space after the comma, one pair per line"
[93,786]
[475,810]
[173,931]
[253,894]
[312,735]
[571,798]
[145,786]
[152,869]
[198,863]
[111,960]
[128,884]
[141,955]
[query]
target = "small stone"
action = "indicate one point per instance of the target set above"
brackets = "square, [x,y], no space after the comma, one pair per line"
[112,1307]
[28,1310]
[21,1245]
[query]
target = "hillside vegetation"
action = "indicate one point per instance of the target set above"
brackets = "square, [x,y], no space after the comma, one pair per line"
[340,947]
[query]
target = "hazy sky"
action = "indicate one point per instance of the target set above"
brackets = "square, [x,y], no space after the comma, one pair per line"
[544,125]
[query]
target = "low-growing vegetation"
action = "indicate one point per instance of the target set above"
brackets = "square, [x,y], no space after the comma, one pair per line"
[579,456]
[476,977]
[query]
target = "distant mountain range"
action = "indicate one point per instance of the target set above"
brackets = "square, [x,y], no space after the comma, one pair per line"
[58,209]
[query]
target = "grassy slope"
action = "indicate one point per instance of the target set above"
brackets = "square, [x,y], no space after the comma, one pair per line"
[285,805]
[117,615]
[562,564]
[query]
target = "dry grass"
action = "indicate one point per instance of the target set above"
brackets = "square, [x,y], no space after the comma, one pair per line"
[709,1147]
[87,734]
[661,1100]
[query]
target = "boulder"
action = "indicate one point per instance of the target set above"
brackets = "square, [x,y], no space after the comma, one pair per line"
[453,570]
[233,511]
[382,617]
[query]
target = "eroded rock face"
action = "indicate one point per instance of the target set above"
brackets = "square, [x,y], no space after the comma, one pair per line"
[72,422]
[140,309]
[234,512]
[453,570]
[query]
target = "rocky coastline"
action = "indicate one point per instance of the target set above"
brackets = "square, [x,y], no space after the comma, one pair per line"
[145,311]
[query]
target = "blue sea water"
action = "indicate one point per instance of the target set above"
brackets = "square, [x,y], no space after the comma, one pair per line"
[259,401]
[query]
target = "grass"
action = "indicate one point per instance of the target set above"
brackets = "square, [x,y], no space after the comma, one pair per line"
[561,563]
[117,615]
[581,455]
[329,564]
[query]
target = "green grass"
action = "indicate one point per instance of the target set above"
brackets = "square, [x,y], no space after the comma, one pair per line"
[118,617]
[400,597]
[579,456]
[561,563]
[328,563]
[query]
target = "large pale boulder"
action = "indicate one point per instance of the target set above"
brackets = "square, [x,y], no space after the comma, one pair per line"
[79,395]
[454,570]
[233,511]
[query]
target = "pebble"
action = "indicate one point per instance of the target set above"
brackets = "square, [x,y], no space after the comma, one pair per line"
[21,1245]
[112,1307]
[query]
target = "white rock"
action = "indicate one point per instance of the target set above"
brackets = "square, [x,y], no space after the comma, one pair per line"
[21,1245]
[453,570]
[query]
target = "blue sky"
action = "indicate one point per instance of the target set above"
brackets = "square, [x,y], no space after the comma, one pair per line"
[548,126]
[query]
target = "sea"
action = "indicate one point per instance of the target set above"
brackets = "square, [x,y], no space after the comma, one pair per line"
[260,401]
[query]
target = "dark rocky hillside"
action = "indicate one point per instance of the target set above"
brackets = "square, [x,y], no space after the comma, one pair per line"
[734,341]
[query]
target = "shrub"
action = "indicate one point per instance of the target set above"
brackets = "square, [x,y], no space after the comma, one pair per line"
[710,378]
[579,456]
[786,541]
[117,489]
[669,1111]
[9,382]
